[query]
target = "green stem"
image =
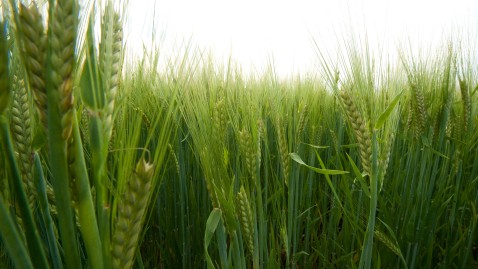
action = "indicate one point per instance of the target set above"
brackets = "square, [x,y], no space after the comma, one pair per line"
[366,256]
[98,157]
[61,181]
[86,210]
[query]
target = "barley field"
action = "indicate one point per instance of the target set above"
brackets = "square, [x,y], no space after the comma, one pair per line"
[105,164]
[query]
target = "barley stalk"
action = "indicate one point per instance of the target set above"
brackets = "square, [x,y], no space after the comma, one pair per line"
[4,76]
[34,44]
[362,133]
[131,209]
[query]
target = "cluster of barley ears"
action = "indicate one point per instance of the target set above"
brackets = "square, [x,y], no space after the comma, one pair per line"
[232,194]
[54,70]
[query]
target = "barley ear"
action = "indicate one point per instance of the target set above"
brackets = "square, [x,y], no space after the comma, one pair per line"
[362,133]
[63,41]
[245,218]
[283,151]
[131,209]
[247,148]
[111,54]
[22,136]
[34,45]
[419,110]
[219,120]
[304,113]
[388,243]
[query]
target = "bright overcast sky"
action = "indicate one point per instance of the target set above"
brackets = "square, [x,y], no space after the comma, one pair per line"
[252,31]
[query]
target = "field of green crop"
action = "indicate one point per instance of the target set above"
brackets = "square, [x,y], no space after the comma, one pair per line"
[108,165]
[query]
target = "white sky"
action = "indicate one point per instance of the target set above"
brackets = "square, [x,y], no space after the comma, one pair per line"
[254,30]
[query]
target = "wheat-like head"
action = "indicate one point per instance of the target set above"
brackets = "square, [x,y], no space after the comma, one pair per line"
[22,135]
[63,40]
[283,151]
[34,44]
[111,54]
[362,133]
[419,110]
[248,150]
[131,209]
[245,218]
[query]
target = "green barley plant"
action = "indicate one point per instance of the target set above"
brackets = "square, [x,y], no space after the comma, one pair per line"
[111,162]
[55,72]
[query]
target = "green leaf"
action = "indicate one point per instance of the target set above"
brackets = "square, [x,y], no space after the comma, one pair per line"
[92,94]
[211,226]
[359,176]
[386,114]
[297,158]
[316,146]
[12,240]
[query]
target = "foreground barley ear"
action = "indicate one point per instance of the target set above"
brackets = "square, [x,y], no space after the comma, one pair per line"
[62,57]
[131,208]
[362,133]
[21,132]
[34,45]
[110,62]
